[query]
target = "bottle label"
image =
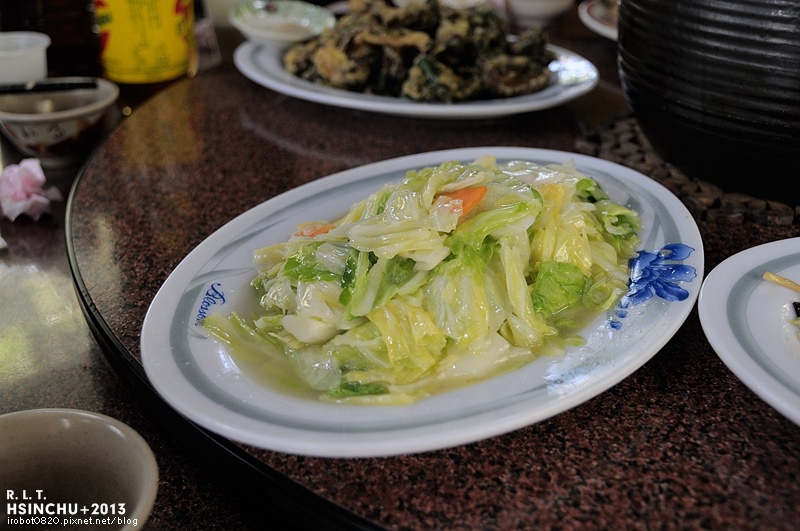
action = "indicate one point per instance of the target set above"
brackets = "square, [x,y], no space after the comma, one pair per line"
[145,41]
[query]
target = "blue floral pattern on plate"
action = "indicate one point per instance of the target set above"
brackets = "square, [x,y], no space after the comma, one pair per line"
[657,273]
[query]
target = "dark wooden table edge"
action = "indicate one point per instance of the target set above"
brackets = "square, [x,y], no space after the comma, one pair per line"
[245,473]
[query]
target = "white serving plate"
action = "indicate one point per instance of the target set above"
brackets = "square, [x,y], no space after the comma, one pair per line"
[745,319]
[573,76]
[198,378]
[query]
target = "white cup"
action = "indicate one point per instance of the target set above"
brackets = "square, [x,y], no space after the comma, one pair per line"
[72,469]
[23,56]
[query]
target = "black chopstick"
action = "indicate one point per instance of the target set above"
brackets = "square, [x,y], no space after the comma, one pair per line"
[46,86]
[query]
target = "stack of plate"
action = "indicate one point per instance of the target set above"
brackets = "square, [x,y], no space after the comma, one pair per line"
[715,86]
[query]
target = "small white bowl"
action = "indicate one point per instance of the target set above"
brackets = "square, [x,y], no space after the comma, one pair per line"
[531,13]
[66,460]
[58,127]
[280,21]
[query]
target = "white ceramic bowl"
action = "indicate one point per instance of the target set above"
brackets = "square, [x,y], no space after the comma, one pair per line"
[531,13]
[66,460]
[280,21]
[58,127]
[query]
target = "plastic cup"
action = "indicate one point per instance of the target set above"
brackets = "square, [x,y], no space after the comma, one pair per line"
[23,56]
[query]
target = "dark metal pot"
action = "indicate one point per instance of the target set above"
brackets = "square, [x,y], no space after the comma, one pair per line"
[715,87]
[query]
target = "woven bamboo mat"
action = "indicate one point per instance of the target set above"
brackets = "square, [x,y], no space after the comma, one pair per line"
[622,141]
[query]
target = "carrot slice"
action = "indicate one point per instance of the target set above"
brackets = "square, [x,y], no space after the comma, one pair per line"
[312,229]
[469,197]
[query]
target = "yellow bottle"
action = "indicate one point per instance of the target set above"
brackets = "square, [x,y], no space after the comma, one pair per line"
[146,41]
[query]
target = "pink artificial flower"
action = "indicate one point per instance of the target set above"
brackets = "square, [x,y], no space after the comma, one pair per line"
[21,190]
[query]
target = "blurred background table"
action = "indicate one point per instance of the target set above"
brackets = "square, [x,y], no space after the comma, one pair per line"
[682,443]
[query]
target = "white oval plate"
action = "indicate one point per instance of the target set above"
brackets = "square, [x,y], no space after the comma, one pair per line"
[573,76]
[199,378]
[596,17]
[745,319]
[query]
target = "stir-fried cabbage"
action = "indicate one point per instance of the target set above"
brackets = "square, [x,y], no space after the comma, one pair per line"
[458,273]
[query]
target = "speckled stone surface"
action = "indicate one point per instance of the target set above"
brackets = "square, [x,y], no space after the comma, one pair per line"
[680,444]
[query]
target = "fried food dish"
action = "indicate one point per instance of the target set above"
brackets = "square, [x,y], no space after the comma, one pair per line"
[427,52]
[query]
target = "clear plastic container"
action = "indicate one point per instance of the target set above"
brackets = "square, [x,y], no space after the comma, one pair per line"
[23,56]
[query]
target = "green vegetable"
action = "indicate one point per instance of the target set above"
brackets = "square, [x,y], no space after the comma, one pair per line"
[305,265]
[558,287]
[348,389]
[403,298]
